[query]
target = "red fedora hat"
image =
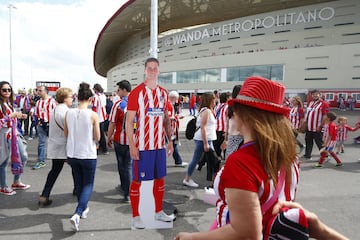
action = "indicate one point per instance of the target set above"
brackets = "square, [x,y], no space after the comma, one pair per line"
[262,93]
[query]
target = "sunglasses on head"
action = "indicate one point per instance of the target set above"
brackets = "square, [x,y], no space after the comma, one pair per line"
[6,89]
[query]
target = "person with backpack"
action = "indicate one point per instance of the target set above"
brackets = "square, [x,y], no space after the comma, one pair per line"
[117,135]
[204,135]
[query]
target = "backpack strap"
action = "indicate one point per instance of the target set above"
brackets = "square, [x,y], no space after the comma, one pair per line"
[273,199]
[203,109]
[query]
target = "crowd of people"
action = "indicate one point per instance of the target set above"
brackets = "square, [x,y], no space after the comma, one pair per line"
[250,133]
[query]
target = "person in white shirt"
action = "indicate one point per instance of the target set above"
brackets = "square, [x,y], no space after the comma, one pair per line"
[82,132]
[56,149]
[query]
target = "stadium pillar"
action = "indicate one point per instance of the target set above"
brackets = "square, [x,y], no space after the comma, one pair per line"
[153,51]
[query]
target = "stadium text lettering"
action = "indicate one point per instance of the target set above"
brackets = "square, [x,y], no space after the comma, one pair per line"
[323,14]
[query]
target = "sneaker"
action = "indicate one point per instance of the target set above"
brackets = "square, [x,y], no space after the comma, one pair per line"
[318,165]
[163,217]
[337,153]
[20,186]
[190,183]
[38,165]
[75,222]
[137,223]
[85,213]
[306,157]
[106,153]
[183,164]
[30,138]
[339,165]
[7,191]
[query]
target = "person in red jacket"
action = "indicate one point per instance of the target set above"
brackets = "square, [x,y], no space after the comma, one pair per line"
[192,107]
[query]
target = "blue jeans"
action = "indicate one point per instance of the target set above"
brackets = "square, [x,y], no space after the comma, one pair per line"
[176,154]
[33,126]
[3,166]
[199,149]
[124,166]
[42,144]
[84,175]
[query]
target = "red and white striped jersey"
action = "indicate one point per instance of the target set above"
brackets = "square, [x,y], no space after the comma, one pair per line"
[342,132]
[221,117]
[99,106]
[3,121]
[117,116]
[314,114]
[244,170]
[330,129]
[295,116]
[150,106]
[44,107]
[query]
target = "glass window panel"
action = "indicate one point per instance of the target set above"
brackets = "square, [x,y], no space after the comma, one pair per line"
[165,78]
[273,72]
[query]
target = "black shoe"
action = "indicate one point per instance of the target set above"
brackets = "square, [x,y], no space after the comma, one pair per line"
[126,199]
[305,156]
[44,201]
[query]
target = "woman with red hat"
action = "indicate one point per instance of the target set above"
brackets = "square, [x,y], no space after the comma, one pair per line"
[249,185]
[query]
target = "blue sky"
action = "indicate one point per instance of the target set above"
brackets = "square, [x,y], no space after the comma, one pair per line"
[52,40]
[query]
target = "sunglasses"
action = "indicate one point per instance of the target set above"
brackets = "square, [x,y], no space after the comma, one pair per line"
[6,90]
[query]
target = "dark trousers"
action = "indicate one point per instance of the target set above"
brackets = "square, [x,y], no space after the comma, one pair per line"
[26,124]
[217,144]
[57,166]
[309,141]
[124,166]
[102,142]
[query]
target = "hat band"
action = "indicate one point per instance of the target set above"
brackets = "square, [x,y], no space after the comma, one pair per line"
[257,100]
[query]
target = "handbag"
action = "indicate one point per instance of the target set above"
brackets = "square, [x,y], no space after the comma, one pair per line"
[288,223]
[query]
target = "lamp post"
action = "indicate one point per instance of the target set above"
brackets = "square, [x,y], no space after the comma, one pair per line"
[10,47]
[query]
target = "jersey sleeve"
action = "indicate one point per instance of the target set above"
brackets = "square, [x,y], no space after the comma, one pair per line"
[237,174]
[133,104]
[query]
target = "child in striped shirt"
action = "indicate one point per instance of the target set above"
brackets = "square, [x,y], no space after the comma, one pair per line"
[342,133]
[330,134]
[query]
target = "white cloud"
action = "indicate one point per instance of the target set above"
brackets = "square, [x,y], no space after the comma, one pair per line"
[52,40]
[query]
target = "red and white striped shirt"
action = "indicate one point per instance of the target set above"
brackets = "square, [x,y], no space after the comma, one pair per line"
[44,107]
[329,129]
[117,116]
[244,170]
[221,117]
[150,105]
[342,132]
[314,114]
[3,121]
[295,116]
[99,106]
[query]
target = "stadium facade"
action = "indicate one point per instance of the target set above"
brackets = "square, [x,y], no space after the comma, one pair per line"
[211,44]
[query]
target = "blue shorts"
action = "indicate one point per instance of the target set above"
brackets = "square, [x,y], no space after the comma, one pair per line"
[150,166]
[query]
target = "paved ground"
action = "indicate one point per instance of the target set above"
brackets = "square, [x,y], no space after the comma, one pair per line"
[331,192]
